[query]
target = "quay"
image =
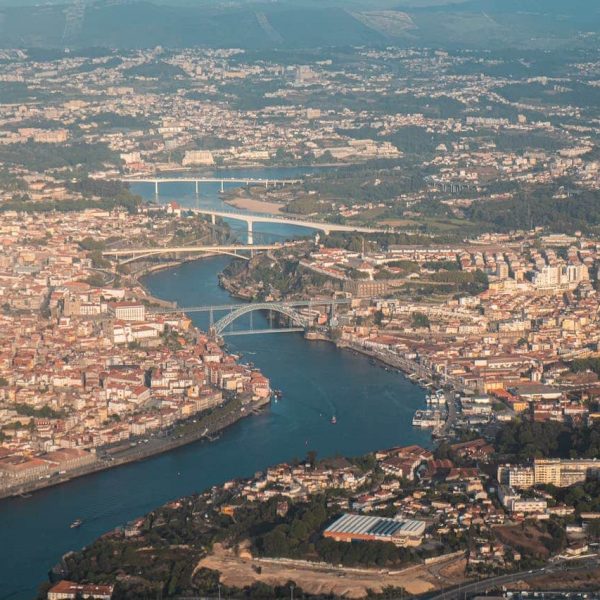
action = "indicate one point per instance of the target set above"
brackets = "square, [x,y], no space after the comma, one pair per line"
[222,418]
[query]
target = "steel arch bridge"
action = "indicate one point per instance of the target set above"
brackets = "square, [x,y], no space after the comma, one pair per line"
[297,319]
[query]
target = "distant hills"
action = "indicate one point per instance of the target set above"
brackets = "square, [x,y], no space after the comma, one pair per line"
[252,24]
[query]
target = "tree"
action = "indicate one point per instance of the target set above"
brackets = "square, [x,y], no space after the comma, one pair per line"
[593,530]
[420,320]
[95,280]
[311,457]
[89,243]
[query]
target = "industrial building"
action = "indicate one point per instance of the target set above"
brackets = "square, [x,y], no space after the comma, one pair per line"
[402,532]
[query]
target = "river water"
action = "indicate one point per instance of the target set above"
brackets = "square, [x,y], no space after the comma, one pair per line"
[373,408]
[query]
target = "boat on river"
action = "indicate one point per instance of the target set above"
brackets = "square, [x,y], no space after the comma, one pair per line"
[76,524]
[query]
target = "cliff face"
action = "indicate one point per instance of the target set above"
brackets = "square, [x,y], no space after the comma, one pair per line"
[272,277]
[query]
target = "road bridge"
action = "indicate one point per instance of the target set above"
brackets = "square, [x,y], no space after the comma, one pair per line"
[299,322]
[156,181]
[251,218]
[299,319]
[264,331]
[232,307]
[231,249]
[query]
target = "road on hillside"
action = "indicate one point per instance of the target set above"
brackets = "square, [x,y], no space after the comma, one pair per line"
[478,587]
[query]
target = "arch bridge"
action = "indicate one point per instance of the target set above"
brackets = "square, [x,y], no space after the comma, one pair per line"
[299,322]
[128,255]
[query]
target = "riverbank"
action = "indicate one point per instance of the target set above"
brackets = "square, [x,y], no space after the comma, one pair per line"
[373,408]
[198,428]
[152,443]
[172,264]
[414,372]
[256,206]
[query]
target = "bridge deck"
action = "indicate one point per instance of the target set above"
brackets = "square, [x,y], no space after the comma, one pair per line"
[263,331]
[166,250]
[251,218]
[260,306]
[205,180]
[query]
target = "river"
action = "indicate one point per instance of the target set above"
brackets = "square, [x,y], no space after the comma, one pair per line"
[373,407]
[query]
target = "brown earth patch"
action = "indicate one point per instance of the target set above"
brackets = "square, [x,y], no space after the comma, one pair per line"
[528,539]
[317,578]
[257,206]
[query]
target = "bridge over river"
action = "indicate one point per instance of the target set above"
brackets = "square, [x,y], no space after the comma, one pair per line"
[156,181]
[131,254]
[299,320]
[251,218]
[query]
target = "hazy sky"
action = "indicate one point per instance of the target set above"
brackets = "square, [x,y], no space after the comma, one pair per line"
[349,3]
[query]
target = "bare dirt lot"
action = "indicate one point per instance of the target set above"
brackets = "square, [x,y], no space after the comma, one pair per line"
[257,206]
[317,579]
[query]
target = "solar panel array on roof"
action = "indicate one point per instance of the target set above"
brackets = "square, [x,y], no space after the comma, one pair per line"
[384,527]
[414,527]
[353,524]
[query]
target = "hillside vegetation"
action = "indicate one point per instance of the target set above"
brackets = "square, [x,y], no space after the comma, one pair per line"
[307,23]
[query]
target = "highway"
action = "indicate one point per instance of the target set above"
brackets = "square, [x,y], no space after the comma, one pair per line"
[478,587]
[185,179]
[195,428]
[251,218]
